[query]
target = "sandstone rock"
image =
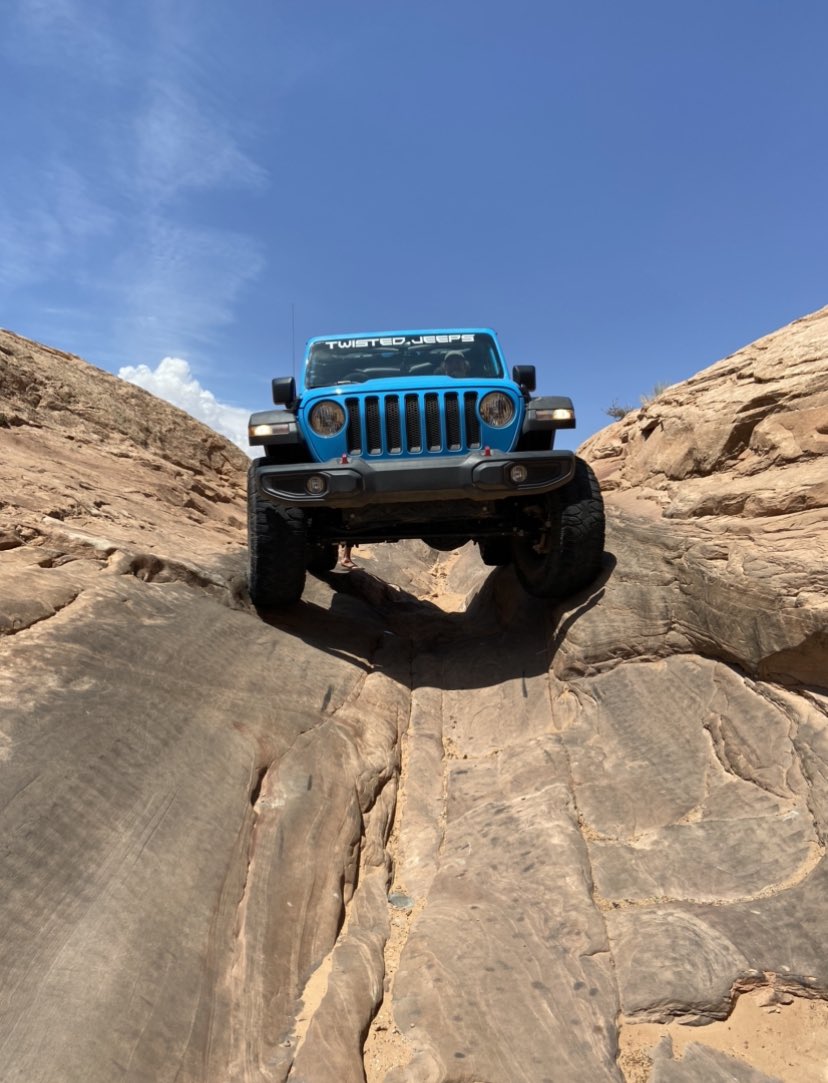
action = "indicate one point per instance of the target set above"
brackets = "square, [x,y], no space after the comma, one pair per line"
[601,815]
[511,904]
[701,1065]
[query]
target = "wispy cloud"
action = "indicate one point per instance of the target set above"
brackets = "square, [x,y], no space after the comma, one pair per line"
[178,284]
[115,220]
[173,381]
[65,30]
[42,224]
[180,145]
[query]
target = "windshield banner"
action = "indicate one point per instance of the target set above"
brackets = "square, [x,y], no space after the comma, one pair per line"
[396,340]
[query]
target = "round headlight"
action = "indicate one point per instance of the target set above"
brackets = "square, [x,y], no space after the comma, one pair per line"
[327,418]
[497,409]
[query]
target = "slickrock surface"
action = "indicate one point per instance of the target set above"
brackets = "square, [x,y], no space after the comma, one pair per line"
[419,828]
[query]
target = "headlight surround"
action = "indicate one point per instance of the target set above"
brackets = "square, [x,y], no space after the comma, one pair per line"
[327,418]
[497,409]
[560,413]
[273,428]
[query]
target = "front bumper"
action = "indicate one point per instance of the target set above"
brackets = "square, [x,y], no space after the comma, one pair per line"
[358,483]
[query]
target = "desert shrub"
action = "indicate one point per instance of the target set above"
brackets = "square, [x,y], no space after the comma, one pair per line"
[656,391]
[616,411]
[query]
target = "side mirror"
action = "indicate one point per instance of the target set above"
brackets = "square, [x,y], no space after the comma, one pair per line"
[284,390]
[524,376]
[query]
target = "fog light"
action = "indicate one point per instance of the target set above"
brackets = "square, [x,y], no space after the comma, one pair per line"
[518,473]
[316,485]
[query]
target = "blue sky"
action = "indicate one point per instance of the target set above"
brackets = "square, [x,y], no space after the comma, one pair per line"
[625,191]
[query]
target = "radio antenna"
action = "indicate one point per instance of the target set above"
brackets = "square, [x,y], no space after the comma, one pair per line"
[293,339]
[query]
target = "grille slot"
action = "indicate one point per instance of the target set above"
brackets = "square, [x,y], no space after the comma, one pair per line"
[393,435]
[434,439]
[354,428]
[373,427]
[472,420]
[413,432]
[453,435]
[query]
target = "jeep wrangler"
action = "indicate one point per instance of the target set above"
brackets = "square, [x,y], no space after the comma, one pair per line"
[418,434]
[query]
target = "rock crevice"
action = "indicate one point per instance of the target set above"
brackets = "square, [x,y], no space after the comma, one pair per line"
[420,828]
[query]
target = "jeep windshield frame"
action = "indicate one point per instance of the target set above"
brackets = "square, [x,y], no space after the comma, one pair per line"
[416,356]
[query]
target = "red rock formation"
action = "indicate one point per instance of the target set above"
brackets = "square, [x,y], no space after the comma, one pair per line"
[513,835]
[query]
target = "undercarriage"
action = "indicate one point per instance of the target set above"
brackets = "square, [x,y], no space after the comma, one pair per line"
[442,522]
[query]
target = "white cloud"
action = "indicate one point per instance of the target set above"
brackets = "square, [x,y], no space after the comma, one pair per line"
[183,143]
[64,33]
[111,217]
[173,381]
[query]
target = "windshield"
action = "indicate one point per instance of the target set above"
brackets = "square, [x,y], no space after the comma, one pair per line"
[355,360]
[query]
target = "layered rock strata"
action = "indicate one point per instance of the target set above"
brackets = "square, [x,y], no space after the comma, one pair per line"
[419,827]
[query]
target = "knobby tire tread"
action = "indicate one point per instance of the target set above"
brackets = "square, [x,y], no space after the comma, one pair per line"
[576,560]
[276,551]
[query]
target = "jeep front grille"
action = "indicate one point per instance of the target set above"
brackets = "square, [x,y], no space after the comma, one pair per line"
[433,422]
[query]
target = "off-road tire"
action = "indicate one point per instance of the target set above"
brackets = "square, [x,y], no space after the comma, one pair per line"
[575,556]
[322,556]
[276,551]
[495,552]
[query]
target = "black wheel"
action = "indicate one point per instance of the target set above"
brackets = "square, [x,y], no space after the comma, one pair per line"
[322,556]
[495,552]
[567,556]
[276,551]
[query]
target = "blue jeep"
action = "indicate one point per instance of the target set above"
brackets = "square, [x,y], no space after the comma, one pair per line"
[418,434]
